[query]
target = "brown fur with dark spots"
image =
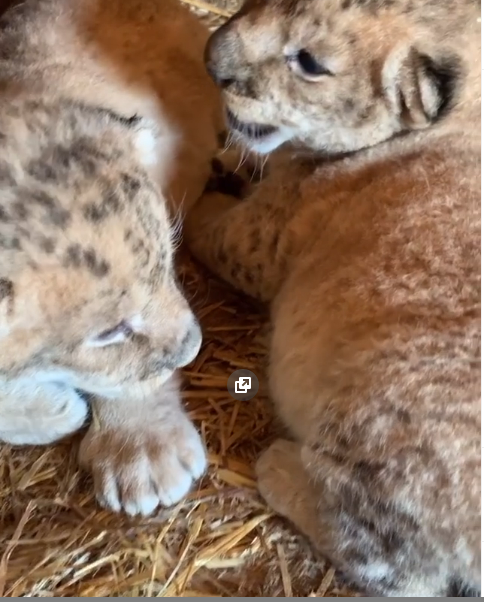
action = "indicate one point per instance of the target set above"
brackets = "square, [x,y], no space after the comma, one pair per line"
[99,138]
[365,238]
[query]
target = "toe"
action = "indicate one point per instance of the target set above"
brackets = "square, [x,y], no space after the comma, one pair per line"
[144,505]
[177,489]
[138,494]
[106,488]
[171,480]
[192,455]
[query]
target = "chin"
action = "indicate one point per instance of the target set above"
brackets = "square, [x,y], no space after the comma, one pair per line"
[257,137]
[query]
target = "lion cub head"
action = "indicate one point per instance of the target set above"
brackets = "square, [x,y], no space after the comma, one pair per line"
[88,296]
[341,75]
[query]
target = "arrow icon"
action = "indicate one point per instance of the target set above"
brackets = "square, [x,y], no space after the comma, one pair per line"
[243,384]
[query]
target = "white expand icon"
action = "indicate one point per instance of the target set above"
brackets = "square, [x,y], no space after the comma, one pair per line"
[243,384]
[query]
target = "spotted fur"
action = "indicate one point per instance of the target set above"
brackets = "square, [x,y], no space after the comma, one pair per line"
[98,143]
[365,239]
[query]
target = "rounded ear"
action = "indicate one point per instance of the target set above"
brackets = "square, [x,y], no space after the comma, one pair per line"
[6,299]
[422,88]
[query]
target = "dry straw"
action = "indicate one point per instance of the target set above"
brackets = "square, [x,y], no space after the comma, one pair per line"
[222,541]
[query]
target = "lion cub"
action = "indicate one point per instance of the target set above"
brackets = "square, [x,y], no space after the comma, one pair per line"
[367,244]
[97,135]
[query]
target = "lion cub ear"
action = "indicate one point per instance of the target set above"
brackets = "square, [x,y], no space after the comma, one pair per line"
[6,300]
[422,88]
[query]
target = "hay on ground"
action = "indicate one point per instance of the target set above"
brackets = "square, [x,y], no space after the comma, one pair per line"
[222,541]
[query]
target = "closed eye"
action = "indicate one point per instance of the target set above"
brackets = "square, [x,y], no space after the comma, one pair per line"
[112,336]
[304,64]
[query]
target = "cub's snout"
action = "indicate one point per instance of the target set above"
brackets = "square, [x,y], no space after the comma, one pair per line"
[220,55]
[186,344]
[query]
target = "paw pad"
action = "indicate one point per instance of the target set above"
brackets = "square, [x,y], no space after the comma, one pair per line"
[226,182]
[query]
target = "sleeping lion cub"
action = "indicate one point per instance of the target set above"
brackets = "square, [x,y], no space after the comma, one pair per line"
[367,244]
[98,134]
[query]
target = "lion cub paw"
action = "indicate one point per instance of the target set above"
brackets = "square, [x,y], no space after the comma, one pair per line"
[284,484]
[138,469]
[234,175]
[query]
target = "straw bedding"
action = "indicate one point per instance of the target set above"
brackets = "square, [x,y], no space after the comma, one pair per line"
[220,542]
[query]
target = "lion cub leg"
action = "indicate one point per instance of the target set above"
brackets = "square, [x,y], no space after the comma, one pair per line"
[368,548]
[39,414]
[241,238]
[143,451]
[285,485]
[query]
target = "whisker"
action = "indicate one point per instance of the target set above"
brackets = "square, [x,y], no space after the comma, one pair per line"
[263,166]
[228,142]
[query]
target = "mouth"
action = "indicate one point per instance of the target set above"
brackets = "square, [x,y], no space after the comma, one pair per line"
[252,131]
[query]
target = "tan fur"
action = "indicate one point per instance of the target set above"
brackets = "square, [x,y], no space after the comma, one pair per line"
[97,136]
[365,237]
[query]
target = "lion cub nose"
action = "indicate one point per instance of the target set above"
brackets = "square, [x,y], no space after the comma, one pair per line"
[189,343]
[219,58]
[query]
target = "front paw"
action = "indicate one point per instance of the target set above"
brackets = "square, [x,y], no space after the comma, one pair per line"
[137,469]
[233,175]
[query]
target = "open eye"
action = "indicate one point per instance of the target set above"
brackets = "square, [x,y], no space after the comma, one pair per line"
[303,63]
[113,336]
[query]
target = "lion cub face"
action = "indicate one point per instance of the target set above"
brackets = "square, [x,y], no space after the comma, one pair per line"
[337,75]
[88,296]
